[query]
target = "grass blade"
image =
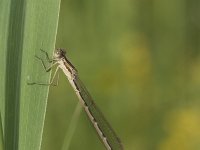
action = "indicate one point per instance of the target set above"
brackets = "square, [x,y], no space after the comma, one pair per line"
[26,27]
[72,127]
[1,134]
[4,19]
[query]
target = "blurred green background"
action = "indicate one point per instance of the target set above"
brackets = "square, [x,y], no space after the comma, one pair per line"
[140,60]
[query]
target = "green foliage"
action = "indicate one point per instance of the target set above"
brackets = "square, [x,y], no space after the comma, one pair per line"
[25,28]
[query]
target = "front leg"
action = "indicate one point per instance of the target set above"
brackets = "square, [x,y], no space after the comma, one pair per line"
[47,56]
[47,69]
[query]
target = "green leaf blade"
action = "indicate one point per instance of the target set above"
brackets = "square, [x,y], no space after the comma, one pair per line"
[26,27]
[42,17]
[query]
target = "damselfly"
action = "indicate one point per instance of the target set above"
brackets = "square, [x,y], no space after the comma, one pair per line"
[104,130]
